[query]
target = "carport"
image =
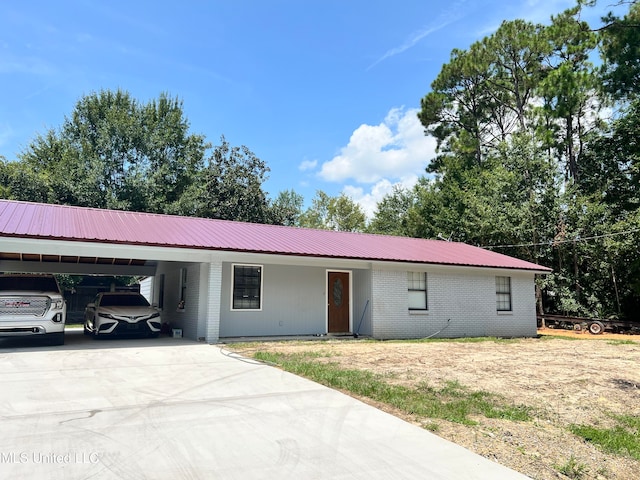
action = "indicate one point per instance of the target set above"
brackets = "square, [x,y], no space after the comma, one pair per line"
[114,259]
[99,273]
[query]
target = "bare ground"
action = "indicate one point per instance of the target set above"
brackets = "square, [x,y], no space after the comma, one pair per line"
[583,381]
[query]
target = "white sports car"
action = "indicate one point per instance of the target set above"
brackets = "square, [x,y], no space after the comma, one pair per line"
[121,313]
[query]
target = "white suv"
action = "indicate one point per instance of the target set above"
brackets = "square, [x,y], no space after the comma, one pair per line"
[32,305]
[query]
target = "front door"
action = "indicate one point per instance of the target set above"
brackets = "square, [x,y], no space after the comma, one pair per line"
[338,302]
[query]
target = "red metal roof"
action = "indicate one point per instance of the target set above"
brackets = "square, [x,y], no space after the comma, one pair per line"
[60,222]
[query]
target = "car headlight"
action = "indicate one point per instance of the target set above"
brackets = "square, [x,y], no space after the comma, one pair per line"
[154,315]
[58,304]
[106,315]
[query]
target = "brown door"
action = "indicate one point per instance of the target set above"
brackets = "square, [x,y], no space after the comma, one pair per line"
[338,296]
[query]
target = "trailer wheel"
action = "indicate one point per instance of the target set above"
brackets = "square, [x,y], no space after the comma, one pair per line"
[596,328]
[577,327]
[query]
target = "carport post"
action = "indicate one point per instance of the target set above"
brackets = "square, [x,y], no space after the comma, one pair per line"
[212,299]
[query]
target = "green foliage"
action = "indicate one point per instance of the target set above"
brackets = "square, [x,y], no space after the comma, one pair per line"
[620,50]
[114,152]
[339,213]
[484,94]
[456,340]
[570,86]
[317,215]
[230,187]
[527,164]
[622,439]
[572,469]
[392,216]
[345,215]
[118,153]
[19,181]
[453,402]
[621,342]
[287,208]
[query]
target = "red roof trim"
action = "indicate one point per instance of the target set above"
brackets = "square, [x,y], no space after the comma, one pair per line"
[68,223]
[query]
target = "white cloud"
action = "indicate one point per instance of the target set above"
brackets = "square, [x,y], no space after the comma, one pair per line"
[393,149]
[377,157]
[369,200]
[307,165]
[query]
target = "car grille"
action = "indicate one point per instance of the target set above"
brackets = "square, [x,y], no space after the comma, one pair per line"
[32,306]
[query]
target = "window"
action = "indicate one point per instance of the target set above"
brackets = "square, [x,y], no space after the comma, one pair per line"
[503,294]
[417,290]
[247,287]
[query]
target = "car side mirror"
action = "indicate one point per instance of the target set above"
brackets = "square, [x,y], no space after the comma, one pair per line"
[91,305]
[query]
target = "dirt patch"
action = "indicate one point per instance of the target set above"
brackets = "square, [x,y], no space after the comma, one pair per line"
[581,381]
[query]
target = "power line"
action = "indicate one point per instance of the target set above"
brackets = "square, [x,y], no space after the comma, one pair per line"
[556,242]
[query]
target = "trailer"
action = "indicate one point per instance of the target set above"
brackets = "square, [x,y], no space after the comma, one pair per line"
[595,326]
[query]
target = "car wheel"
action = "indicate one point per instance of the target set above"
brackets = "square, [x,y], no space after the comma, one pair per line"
[596,328]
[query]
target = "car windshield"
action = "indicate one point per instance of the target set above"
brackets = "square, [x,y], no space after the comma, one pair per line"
[123,301]
[35,284]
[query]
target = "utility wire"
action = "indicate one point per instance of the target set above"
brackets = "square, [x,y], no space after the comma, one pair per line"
[556,242]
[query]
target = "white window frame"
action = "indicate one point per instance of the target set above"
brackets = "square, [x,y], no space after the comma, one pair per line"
[425,290]
[233,274]
[504,294]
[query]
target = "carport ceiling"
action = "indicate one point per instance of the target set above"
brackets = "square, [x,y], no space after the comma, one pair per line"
[49,262]
[48,258]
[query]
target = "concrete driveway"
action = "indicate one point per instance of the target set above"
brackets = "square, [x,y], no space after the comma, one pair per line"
[174,409]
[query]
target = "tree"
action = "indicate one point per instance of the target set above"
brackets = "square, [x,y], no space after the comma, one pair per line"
[611,165]
[569,89]
[485,93]
[113,152]
[317,215]
[334,213]
[19,182]
[454,112]
[287,208]
[610,184]
[392,213]
[346,215]
[620,50]
[515,52]
[527,164]
[229,187]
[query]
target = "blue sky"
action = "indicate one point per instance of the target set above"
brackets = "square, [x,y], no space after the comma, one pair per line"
[324,91]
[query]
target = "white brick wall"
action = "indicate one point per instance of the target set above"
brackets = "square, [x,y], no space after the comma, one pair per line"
[462,303]
[211,296]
